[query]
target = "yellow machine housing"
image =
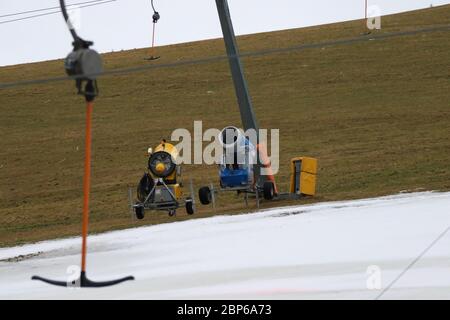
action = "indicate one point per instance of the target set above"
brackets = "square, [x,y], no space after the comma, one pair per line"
[303,176]
[161,195]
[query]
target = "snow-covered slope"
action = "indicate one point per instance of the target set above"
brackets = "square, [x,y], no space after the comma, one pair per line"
[311,251]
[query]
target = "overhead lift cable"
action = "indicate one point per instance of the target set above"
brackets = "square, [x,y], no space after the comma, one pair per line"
[331,43]
[93,3]
[46,9]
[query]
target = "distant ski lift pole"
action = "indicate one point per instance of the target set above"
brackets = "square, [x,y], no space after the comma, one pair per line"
[156,16]
[84,65]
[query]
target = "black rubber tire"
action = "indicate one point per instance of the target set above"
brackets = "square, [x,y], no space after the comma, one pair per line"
[140,212]
[269,190]
[145,186]
[190,207]
[205,195]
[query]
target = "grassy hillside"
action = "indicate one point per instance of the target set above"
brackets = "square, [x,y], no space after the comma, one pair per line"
[376,114]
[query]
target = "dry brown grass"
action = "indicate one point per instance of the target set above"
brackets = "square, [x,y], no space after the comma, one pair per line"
[375,114]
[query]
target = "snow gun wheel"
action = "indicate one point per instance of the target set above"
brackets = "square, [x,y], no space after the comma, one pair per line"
[205,195]
[269,190]
[190,206]
[172,213]
[140,212]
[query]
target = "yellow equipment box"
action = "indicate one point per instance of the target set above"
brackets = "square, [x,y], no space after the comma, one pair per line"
[303,176]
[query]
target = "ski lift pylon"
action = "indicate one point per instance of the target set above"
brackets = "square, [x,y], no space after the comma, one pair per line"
[81,47]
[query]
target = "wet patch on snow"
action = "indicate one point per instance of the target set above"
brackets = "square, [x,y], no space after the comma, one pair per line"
[20,258]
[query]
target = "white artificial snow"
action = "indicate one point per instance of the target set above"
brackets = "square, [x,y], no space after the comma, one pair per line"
[319,251]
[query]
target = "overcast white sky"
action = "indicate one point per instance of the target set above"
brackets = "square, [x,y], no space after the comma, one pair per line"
[126,24]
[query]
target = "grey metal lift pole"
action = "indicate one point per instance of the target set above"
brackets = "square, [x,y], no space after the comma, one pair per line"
[240,84]
[237,72]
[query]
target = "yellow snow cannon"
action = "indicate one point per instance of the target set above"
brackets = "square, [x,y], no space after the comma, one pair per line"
[160,188]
